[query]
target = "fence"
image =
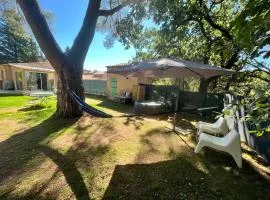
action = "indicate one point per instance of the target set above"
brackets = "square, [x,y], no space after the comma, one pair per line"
[168,94]
[261,144]
[97,87]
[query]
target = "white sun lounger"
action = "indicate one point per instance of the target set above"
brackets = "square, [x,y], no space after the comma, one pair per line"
[229,143]
[219,128]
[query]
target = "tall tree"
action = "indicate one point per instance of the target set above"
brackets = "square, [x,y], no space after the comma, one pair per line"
[252,27]
[16,45]
[200,30]
[68,67]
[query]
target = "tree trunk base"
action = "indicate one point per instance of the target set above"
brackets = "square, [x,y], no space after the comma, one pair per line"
[66,106]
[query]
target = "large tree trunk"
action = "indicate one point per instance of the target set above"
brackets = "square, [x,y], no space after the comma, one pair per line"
[69,79]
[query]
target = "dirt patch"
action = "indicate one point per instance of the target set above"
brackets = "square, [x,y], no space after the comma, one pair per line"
[10,128]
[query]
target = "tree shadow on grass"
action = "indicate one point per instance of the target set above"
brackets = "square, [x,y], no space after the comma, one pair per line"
[32,108]
[186,176]
[71,173]
[161,180]
[20,149]
[137,122]
[180,179]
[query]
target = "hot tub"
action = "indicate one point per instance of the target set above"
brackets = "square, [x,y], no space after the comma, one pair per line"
[149,107]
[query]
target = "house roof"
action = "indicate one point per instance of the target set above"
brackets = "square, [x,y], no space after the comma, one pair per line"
[34,66]
[47,67]
[116,66]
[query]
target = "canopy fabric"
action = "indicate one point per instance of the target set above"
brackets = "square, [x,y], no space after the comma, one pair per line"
[171,68]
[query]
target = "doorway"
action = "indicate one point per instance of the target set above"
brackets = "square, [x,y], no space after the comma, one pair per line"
[37,81]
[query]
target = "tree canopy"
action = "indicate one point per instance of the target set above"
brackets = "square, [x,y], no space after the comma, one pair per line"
[203,31]
[16,45]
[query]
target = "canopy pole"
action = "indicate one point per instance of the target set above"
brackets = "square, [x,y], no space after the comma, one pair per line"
[175,111]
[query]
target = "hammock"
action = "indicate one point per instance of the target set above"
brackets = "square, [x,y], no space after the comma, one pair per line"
[87,108]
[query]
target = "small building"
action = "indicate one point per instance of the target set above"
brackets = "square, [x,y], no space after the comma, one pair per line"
[27,76]
[36,76]
[116,84]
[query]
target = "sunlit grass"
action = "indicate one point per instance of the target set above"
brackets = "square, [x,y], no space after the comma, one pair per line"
[7,101]
[45,157]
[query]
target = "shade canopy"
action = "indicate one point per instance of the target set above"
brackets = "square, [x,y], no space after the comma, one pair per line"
[170,68]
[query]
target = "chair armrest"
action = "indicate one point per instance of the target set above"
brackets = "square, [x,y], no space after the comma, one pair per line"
[202,123]
[210,129]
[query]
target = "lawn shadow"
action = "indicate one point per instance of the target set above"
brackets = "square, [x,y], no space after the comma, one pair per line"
[183,178]
[136,121]
[78,156]
[160,180]
[67,167]
[185,175]
[32,108]
[20,149]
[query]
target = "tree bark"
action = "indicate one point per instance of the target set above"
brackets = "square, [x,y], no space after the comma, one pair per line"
[69,79]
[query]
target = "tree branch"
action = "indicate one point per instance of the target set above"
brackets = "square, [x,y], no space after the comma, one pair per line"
[260,66]
[110,12]
[210,21]
[262,71]
[85,36]
[253,75]
[40,29]
[204,32]
[202,29]
[234,58]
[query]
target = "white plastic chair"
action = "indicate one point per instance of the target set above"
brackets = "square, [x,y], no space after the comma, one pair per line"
[220,127]
[229,143]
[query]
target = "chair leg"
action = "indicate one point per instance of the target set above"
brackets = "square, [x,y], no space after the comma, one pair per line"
[198,147]
[237,156]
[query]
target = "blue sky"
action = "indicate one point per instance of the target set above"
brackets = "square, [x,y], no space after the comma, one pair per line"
[68,17]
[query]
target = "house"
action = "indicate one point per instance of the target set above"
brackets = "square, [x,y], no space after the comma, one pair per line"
[36,76]
[116,84]
[27,76]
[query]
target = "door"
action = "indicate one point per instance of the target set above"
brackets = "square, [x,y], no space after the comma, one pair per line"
[31,78]
[44,85]
[39,81]
[113,89]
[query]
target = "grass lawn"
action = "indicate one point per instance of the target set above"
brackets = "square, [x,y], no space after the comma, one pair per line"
[44,157]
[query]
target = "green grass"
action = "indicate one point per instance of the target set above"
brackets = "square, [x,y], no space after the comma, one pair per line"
[107,105]
[45,157]
[8,101]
